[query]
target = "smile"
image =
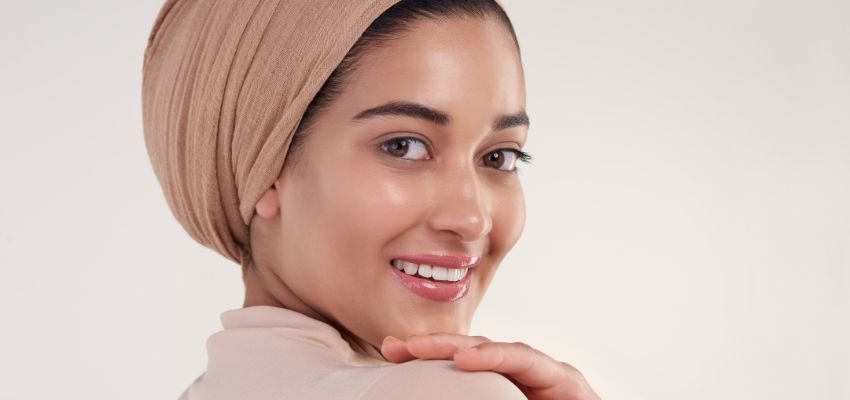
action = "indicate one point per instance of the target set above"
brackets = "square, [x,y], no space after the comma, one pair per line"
[444,284]
[431,272]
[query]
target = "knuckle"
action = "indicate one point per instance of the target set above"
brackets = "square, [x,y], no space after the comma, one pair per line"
[570,368]
[489,345]
[523,346]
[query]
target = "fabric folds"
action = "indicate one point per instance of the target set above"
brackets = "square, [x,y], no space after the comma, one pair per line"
[225,84]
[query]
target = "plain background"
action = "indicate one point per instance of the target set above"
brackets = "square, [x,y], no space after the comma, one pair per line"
[688,232]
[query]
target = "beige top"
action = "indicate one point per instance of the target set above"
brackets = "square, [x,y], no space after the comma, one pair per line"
[267,352]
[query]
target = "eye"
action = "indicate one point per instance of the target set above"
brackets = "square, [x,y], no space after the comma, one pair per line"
[407,148]
[505,159]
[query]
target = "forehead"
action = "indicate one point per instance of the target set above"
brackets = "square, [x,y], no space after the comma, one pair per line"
[466,66]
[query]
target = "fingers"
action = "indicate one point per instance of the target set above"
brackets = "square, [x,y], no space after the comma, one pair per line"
[526,365]
[531,369]
[395,350]
[441,346]
[542,376]
[435,346]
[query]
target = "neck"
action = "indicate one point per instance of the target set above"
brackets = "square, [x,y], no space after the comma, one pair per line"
[261,289]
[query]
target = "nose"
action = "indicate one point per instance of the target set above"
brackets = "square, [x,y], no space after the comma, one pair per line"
[461,206]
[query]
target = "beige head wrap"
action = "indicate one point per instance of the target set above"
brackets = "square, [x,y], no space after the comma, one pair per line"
[225,84]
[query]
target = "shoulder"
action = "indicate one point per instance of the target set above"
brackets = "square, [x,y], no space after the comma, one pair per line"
[441,379]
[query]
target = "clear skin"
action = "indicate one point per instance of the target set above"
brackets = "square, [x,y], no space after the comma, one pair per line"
[324,234]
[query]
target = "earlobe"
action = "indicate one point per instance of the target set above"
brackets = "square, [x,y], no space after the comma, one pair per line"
[267,206]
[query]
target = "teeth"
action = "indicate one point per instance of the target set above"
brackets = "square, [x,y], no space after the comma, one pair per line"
[433,272]
[439,273]
[410,268]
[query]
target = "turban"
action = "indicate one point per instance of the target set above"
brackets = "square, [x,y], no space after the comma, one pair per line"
[224,86]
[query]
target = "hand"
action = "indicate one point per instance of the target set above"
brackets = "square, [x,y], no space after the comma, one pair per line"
[536,374]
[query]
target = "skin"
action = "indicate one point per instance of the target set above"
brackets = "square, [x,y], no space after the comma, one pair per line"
[324,235]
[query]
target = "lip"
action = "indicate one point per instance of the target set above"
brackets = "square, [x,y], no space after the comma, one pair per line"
[439,291]
[442,260]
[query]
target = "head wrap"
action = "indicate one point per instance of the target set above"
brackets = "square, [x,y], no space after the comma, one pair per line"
[225,84]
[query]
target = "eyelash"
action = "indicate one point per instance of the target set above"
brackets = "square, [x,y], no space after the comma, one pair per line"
[520,155]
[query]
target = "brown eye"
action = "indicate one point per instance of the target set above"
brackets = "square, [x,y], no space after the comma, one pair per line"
[403,147]
[397,148]
[494,159]
[501,158]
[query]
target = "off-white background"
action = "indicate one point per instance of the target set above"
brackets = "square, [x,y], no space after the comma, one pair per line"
[688,231]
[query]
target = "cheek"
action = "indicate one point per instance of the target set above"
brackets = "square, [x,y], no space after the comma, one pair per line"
[337,221]
[508,218]
[374,199]
[363,209]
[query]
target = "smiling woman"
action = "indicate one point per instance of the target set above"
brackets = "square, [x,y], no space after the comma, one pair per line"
[358,159]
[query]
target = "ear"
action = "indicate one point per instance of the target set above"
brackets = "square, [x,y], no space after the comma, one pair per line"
[268,205]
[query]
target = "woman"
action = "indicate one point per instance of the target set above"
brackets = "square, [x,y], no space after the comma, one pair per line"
[358,159]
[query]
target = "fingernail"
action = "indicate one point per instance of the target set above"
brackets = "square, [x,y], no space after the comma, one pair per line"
[468,350]
[391,339]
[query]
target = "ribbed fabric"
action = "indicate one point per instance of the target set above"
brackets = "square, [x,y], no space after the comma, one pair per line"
[225,84]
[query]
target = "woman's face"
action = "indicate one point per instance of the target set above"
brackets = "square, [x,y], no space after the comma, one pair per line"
[432,176]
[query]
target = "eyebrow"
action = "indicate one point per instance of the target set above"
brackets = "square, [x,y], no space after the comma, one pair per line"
[435,116]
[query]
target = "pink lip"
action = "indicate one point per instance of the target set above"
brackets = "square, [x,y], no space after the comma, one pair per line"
[442,260]
[439,291]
